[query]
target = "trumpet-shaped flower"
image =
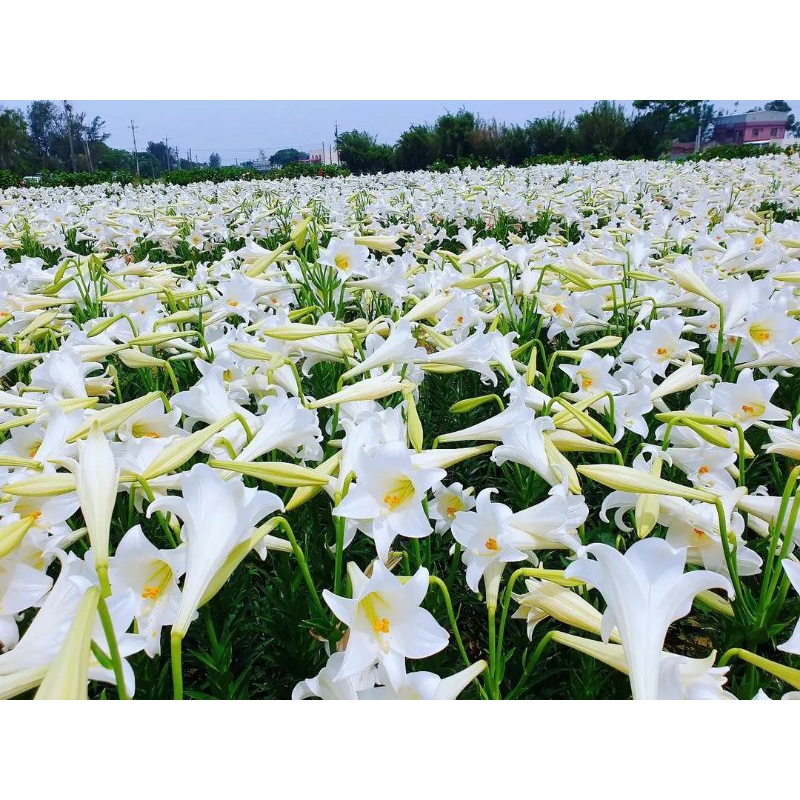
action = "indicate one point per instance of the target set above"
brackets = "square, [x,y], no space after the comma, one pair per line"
[447,502]
[385,622]
[525,444]
[488,545]
[645,591]
[217,517]
[153,576]
[748,400]
[551,524]
[386,499]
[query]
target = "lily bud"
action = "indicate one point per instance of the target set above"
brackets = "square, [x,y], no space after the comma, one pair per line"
[368,389]
[67,677]
[443,459]
[136,359]
[427,307]
[611,654]
[626,479]
[112,417]
[13,533]
[300,232]
[530,372]
[281,474]
[687,279]
[42,486]
[413,423]
[645,516]
[305,493]
[381,244]
[462,406]
[181,450]
[562,466]
[295,331]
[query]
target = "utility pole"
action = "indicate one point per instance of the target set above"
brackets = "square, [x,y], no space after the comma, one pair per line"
[167,141]
[88,154]
[323,154]
[135,151]
[68,114]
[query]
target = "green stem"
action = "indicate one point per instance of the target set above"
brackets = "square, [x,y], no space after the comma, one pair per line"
[108,630]
[494,690]
[176,641]
[282,523]
[433,580]
[531,663]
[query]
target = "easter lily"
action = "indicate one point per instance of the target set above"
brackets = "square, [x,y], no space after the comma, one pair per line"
[645,591]
[96,480]
[217,516]
[486,543]
[385,622]
[386,499]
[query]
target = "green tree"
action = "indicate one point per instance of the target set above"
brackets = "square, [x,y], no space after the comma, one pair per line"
[14,141]
[161,158]
[356,149]
[214,160]
[600,130]
[287,156]
[416,148]
[453,132]
[781,105]
[45,125]
[551,135]
[514,144]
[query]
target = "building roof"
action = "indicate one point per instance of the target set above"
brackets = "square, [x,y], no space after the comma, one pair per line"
[752,116]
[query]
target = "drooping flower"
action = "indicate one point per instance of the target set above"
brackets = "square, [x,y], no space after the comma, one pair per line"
[217,516]
[645,591]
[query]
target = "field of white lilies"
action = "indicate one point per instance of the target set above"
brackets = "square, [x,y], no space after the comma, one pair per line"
[506,433]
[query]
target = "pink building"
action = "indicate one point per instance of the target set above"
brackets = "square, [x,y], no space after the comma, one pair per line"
[754,127]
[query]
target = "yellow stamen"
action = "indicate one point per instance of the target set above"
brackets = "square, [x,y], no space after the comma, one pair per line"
[491,544]
[398,494]
[760,334]
[381,625]
[342,262]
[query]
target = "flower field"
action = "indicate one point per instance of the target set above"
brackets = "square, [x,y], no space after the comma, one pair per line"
[500,433]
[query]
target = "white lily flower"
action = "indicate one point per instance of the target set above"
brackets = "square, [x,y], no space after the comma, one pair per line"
[217,516]
[488,545]
[645,591]
[97,481]
[386,499]
[385,622]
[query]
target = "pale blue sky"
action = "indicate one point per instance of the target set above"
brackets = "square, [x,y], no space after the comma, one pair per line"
[238,129]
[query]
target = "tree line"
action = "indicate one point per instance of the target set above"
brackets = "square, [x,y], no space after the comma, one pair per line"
[56,137]
[603,131]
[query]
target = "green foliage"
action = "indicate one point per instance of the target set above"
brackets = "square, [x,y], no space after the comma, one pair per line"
[7,179]
[552,136]
[416,148]
[727,151]
[287,156]
[602,129]
[362,154]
